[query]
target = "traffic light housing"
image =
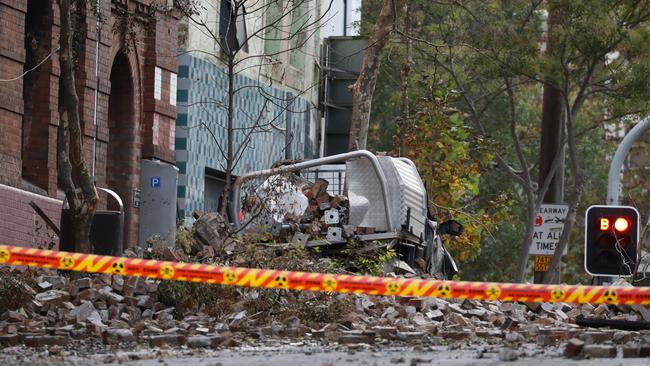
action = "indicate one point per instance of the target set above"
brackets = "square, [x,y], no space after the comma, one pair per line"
[611,240]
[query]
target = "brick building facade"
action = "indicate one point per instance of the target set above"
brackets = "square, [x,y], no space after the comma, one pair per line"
[128,112]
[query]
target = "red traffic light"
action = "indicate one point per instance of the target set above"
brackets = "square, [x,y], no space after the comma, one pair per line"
[611,240]
[621,224]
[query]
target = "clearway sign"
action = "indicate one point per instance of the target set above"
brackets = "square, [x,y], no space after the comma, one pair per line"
[549,223]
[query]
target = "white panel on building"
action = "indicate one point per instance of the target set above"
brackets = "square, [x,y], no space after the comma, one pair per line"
[172,138]
[157,83]
[155,129]
[172,88]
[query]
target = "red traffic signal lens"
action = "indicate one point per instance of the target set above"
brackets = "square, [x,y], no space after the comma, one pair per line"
[621,224]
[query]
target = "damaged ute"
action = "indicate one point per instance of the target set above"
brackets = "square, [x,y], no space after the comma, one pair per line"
[355,196]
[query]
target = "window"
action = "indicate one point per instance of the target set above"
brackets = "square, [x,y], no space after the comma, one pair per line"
[215,183]
[155,129]
[171,138]
[172,88]
[232,26]
[157,83]
[298,41]
[272,35]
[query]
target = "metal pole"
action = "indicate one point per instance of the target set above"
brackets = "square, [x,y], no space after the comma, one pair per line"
[326,90]
[345,17]
[614,177]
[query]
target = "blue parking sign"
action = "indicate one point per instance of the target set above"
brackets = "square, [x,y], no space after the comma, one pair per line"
[155,182]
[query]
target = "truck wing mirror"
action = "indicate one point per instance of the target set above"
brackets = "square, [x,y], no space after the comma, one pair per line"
[451,227]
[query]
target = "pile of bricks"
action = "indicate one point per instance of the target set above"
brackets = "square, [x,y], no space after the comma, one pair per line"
[122,311]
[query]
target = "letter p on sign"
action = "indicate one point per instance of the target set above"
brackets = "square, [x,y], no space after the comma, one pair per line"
[155,182]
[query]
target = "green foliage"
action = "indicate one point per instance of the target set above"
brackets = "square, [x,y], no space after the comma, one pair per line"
[373,264]
[189,297]
[314,309]
[451,162]
[463,52]
[272,304]
[185,238]
[13,293]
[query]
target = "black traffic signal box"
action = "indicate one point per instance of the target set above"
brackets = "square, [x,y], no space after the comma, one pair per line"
[611,240]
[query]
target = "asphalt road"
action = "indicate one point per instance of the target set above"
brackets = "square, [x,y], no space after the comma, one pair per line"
[367,358]
[299,355]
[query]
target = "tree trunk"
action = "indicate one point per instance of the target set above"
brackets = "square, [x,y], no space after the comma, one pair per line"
[528,238]
[71,160]
[230,155]
[551,139]
[579,183]
[364,88]
[551,143]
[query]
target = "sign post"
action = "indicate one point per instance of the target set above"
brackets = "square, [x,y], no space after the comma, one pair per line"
[549,224]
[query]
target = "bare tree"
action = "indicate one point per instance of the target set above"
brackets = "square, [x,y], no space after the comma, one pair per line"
[289,24]
[74,178]
[364,87]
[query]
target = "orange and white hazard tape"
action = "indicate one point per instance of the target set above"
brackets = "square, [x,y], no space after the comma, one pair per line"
[302,281]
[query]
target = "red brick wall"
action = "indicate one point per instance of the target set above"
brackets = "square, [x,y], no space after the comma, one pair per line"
[153,44]
[161,39]
[20,225]
[12,58]
[39,148]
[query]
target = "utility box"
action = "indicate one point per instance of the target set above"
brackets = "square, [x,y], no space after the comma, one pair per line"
[158,185]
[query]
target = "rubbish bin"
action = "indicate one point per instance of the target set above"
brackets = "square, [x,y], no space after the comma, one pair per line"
[106,232]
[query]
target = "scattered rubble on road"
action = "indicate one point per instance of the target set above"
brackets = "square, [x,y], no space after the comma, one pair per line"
[70,313]
[114,311]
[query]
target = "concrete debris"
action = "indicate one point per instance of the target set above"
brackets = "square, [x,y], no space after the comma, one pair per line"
[508,354]
[56,282]
[44,340]
[85,312]
[210,228]
[121,311]
[117,335]
[204,341]
[573,348]
[52,297]
[9,340]
[356,338]
[599,351]
[596,337]
[291,212]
